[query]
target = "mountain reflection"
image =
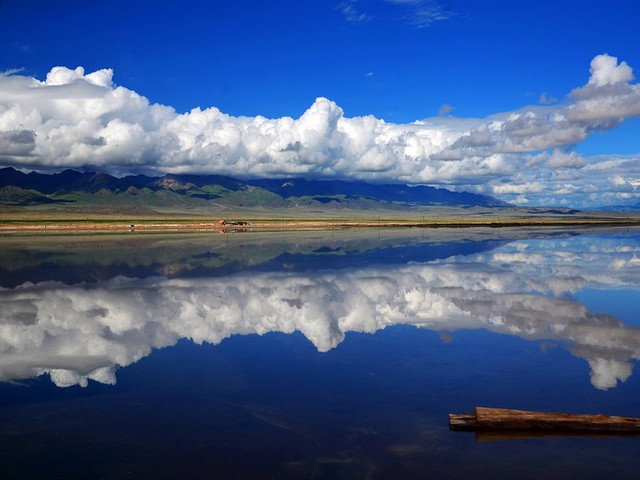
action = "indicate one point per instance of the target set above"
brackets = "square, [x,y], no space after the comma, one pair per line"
[77,332]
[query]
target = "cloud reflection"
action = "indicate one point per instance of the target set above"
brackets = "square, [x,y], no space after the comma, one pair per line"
[85,331]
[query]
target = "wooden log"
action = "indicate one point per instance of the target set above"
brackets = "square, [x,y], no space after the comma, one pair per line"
[500,419]
[463,421]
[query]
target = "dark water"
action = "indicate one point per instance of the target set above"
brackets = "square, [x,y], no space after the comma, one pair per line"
[319,355]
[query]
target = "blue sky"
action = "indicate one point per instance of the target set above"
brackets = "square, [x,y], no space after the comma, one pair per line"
[378,66]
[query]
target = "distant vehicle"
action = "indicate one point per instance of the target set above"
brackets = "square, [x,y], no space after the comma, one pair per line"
[232,222]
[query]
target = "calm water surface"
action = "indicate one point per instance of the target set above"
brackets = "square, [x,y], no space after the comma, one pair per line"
[331,355]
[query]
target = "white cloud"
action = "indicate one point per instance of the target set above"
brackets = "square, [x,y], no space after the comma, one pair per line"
[605,70]
[351,13]
[65,76]
[618,181]
[423,13]
[559,159]
[605,373]
[12,71]
[521,188]
[78,119]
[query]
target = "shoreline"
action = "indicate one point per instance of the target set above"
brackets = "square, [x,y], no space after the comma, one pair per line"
[32,226]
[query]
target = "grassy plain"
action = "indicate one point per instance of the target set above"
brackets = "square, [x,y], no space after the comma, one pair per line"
[100,220]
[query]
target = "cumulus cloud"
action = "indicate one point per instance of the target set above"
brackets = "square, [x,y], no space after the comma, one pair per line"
[79,119]
[605,70]
[77,333]
[18,142]
[605,373]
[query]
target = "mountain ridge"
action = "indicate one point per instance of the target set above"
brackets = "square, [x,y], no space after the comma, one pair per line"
[73,187]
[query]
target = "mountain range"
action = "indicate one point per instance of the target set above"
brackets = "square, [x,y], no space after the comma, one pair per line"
[75,188]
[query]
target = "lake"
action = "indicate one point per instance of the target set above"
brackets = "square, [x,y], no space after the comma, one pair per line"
[319,355]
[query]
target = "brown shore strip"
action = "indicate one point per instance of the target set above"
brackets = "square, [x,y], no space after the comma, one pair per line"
[61,226]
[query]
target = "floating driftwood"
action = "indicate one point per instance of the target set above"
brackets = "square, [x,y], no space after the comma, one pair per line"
[500,420]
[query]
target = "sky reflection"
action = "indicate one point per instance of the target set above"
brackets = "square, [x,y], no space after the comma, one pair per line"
[528,288]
